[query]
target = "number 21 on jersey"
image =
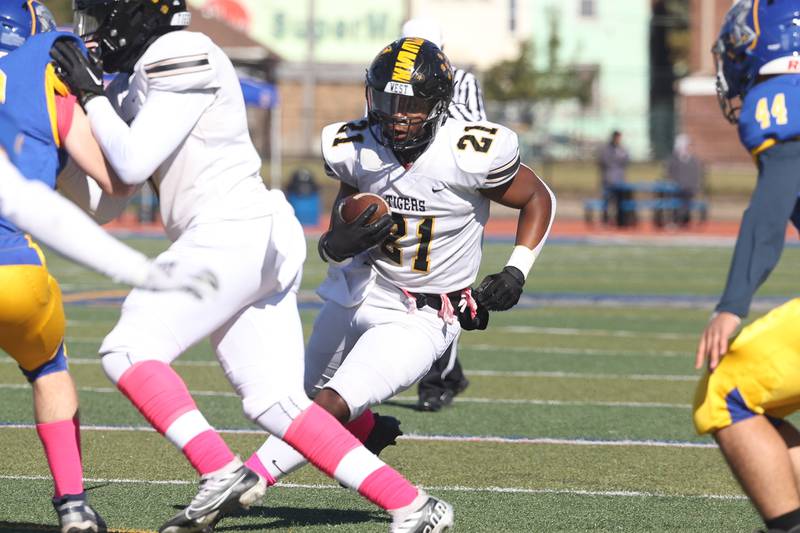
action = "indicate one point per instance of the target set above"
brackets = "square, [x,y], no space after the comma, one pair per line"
[766,112]
[390,248]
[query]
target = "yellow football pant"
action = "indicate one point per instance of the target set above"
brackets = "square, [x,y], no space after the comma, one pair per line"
[760,374]
[31,313]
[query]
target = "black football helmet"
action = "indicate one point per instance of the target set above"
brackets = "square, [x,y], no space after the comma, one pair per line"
[123,29]
[411,76]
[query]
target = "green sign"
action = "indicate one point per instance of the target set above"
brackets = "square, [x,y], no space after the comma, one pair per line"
[345,31]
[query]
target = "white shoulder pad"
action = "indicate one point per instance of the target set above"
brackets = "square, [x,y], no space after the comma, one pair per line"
[340,145]
[487,151]
[180,61]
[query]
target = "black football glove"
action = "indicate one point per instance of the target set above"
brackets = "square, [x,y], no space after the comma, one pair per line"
[347,239]
[469,322]
[83,75]
[501,291]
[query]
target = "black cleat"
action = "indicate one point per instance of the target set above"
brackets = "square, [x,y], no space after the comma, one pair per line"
[385,433]
[433,402]
[75,515]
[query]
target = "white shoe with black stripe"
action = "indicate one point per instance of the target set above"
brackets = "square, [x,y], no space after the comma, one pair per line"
[222,492]
[75,515]
[435,516]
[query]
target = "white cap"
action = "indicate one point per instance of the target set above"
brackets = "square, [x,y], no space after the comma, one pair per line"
[426,28]
[682,142]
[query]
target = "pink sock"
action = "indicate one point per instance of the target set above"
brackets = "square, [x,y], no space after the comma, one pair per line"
[255,464]
[362,426]
[76,421]
[62,448]
[208,452]
[162,397]
[388,489]
[324,442]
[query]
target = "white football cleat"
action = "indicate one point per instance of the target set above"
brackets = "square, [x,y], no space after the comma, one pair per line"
[75,515]
[435,516]
[220,493]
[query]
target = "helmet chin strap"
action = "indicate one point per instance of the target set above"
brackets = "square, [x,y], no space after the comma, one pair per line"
[409,155]
[124,59]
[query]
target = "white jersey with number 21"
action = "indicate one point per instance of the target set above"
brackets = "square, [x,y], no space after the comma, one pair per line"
[436,203]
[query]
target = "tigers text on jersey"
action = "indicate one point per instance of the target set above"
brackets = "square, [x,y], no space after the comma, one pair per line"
[436,204]
[769,113]
[214,174]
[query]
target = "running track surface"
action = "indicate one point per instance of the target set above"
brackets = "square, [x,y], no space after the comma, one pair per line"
[506,227]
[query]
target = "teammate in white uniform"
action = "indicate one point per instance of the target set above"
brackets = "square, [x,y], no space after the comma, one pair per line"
[396,305]
[40,211]
[175,115]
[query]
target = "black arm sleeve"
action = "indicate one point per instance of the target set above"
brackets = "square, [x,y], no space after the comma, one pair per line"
[763,230]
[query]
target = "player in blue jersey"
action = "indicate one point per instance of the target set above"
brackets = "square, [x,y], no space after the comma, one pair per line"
[40,125]
[753,383]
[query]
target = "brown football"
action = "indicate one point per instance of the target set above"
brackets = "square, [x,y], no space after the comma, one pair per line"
[352,206]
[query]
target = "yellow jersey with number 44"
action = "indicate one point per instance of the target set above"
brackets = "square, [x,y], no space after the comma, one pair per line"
[770,113]
[438,210]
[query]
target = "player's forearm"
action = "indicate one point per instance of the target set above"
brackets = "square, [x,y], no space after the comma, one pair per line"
[87,194]
[164,122]
[754,257]
[40,211]
[763,229]
[537,205]
[536,217]
[87,155]
[533,227]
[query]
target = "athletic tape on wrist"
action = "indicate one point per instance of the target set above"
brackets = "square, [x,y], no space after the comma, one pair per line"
[522,258]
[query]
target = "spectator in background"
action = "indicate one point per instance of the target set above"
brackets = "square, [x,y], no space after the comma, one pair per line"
[446,377]
[688,173]
[613,161]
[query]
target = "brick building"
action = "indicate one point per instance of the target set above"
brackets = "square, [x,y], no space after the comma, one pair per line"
[715,140]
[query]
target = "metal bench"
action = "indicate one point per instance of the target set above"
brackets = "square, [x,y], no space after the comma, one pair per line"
[592,206]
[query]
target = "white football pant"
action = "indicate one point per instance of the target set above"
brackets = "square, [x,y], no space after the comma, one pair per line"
[253,322]
[370,352]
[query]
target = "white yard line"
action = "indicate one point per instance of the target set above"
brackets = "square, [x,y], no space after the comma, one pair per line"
[581,375]
[95,361]
[410,399]
[447,488]
[569,403]
[595,332]
[437,438]
[488,373]
[571,351]
[544,330]
[112,390]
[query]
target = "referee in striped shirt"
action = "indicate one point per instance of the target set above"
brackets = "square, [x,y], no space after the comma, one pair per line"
[467,101]
[446,378]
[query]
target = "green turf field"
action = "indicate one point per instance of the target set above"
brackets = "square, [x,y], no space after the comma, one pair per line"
[577,417]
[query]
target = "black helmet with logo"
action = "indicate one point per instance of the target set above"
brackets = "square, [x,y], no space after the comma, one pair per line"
[409,87]
[123,29]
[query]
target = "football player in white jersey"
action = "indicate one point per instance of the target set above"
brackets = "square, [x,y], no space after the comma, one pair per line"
[175,115]
[393,306]
[47,216]
[446,379]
